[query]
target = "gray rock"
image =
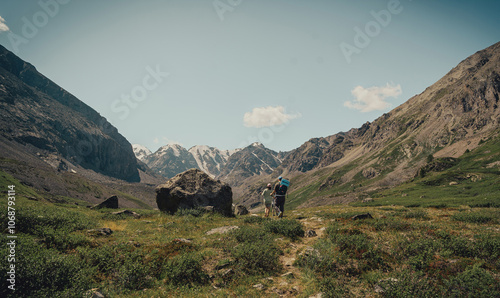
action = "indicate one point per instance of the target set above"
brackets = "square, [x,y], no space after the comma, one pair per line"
[310,233]
[240,210]
[183,240]
[111,203]
[127,212]
[94,293]
[260,287]
[222,230]
[362,216]
[227,272]
[383,284]
[192,189]
[101,231]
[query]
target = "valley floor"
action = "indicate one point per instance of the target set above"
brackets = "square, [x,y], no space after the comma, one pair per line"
[63,251]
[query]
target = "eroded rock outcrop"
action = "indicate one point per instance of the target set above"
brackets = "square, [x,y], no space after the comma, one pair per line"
[194,188]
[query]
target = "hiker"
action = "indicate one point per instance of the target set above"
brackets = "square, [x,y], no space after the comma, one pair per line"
[279,192]
[266,196]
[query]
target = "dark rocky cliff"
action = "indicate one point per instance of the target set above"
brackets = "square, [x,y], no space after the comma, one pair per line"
[34,110]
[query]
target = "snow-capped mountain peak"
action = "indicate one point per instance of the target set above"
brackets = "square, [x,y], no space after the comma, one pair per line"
[140,151]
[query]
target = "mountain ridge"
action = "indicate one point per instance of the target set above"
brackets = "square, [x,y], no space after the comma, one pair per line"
[450,117]
[35,110]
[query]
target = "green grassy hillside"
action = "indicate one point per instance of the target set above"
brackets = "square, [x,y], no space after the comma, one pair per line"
[450,251]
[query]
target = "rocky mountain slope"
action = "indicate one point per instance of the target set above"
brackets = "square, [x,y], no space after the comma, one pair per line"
[253,160]
[141,152]
[452,116]
[36,111]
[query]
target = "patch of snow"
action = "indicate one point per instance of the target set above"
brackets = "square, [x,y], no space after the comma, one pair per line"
[140,151]
[263,162]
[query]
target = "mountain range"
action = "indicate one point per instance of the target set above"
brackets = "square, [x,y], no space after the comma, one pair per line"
[453,116]
[231,166]
[57,144]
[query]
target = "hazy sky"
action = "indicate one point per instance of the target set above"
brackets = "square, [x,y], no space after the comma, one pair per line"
[226,73]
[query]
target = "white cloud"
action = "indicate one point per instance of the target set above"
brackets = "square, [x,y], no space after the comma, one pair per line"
[3,26]
[268,116]
[373,98]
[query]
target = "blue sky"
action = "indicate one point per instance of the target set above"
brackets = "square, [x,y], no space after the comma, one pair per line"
[226,73]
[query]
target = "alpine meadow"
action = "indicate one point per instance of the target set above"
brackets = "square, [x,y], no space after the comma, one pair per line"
[136,160]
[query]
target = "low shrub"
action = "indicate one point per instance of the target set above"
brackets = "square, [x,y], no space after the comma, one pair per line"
[133,275]
[488,248]
[255,251]
[185,269]
[417,214]
[334,287]
[62,240]
[287,227]
[44,272]
[391,224]
[196,212]
[255,220]
[409,284]
[34,220]
[473,217]
[475,282]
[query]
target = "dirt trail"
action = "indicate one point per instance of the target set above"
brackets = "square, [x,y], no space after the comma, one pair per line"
[289,284]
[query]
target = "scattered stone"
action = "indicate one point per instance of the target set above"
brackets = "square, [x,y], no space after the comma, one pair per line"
[404,195]
[136,244]
[111,203]
[319,295]
[259,287]
[240,210]
[310,233]
[367,200]
[278,291]
[227,272]
[382,284]
[221,266]
[362,216]
[102,231]
[222,230]
[370,173]
[288,275]
[208,209]
[453,183]
[127,212]
[493,164]
[194,188]
[94,293]
[182,240]
[310,251]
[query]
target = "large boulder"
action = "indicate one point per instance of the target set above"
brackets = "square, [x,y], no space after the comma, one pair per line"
[111,203]
[191,189]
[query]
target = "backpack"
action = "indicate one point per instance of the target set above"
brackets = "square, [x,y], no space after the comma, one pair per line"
[284,184]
